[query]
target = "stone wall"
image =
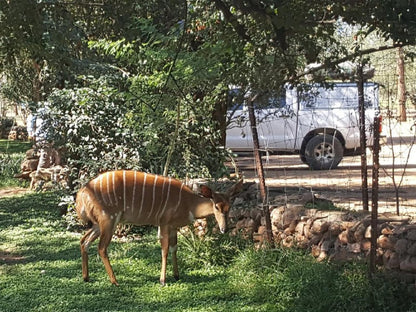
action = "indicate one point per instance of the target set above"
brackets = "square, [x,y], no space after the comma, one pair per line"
[335,235]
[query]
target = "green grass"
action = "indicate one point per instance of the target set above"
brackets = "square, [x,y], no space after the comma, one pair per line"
[13,147]
[12,154]
[40,270]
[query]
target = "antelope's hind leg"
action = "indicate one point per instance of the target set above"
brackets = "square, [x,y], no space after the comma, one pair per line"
[89,237]
[107,230]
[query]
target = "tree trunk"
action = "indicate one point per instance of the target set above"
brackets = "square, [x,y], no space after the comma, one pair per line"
[401,85]
[260,169]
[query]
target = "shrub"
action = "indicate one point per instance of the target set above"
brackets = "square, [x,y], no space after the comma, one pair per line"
[101,128]
[5,126]
[9,166]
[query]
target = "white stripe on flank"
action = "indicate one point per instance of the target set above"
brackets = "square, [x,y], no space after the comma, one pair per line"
[134,191]
[153,197]
[114,188]
[166,201]
[180,198]
[101,189]
[108,188]
[143,194]
[161,200]
[94,188]
[124,190]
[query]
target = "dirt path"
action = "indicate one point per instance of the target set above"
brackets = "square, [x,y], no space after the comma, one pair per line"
[12,191]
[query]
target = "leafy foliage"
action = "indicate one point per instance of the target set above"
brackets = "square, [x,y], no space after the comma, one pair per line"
[174,63]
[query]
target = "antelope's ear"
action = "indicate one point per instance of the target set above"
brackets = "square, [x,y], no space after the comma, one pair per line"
[235,189]
[206,191]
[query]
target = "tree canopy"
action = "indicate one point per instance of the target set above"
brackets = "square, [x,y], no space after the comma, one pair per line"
[161,67]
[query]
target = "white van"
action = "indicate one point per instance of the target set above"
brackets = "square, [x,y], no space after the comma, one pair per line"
[319,123]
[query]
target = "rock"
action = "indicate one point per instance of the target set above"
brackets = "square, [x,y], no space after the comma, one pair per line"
[327,244]
[405,228]
[319,226]
[359,232]
[291,215]
[256,215]
[394,262]
[299,227]
[238,201]
[365,245]
[322,256]
[343,237]
[29,165]
[391,260]
[401,246]
[344,256]
[316,251]
[334,229]
[354,248]
[315,239]
[411,234]
[367,233]
[288,242]
[412,249]
[246,226]
[408,264]
[291,228]
[307,228]
[386,229]
[276,216]
[386,242]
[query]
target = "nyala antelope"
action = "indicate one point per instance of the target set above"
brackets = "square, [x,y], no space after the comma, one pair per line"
[144,199]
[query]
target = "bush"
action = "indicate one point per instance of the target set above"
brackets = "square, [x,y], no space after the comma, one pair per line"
[5,126]
[101,128]
[9,166]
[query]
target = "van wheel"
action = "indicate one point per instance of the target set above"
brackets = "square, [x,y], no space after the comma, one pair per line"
[323,152]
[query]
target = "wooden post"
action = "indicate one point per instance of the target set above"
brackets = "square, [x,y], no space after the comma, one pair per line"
[374,195]
[401,85]
[363,140]
[260,169]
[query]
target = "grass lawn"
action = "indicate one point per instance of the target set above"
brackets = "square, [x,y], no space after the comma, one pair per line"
[13,147]
[40,270]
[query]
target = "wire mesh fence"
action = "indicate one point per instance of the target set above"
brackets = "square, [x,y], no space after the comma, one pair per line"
[288,177]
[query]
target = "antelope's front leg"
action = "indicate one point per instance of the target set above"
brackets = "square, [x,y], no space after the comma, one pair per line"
[173,245]
[164,243]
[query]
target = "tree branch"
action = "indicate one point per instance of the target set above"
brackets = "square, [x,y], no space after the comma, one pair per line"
[344,59]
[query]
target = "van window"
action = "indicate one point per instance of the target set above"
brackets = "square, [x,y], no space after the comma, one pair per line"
[340,96]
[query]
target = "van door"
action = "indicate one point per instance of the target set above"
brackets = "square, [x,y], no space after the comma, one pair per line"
[276,124]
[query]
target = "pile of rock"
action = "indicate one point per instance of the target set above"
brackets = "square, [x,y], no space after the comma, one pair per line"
[18,133]
[44,169]
[334,235]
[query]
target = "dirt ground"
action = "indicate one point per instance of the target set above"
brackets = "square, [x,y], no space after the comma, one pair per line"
[12,191]
[287,175]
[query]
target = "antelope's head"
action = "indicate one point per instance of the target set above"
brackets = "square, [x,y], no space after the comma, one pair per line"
[222,203]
